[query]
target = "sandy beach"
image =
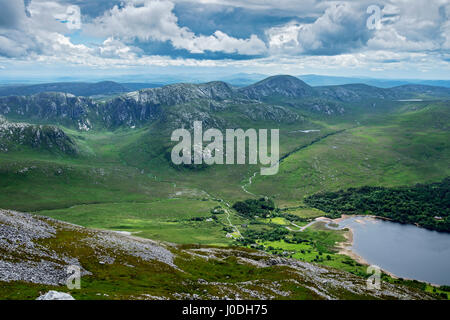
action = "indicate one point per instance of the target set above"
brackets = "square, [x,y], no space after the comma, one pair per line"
[345,247]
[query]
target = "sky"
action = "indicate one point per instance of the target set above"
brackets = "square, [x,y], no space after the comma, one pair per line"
[147,39]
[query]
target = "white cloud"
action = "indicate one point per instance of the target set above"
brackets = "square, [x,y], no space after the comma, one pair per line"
[112,48]
[38,30]
[413,27]
[154,20]
[52,16]
[284,37]
[341,28]
[71,16]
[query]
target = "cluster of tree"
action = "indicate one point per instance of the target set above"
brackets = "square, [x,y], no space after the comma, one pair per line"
[251,236]
[252,207]
[292,217]
[427,205]
[296,240]
[198,219]
[445,288]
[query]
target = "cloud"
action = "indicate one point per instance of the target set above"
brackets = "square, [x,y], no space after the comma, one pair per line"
[52,16]
[36,28]
[154,20]
[112,48]
[283,36]
[341,28]
[405,26]
[292,6]
[14,40]
[11,13]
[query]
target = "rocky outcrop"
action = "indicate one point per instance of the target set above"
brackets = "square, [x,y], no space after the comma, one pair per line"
[50,138]
[27,253]
[50,107]
[23,258]
[55,295]
[142,106]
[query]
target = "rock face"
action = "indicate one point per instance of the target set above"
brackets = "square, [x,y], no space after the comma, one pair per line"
[40,137]
[278,86]
[146,105]
[55,295]
[38,250]
[131,109]
[55,108]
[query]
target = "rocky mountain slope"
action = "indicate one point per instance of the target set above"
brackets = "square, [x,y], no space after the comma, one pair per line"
[168,104]
[35,253]
[50,138]
[51,107]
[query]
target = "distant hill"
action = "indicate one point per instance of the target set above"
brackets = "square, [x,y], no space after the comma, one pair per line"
[318,80]
[76,88]
[360,92]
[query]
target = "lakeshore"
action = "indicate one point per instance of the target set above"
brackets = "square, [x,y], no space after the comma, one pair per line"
[374,241]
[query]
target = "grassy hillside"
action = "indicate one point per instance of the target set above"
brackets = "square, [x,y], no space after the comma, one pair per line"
[176,220]
[408,147]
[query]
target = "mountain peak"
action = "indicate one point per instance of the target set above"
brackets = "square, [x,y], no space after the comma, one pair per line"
[280,85]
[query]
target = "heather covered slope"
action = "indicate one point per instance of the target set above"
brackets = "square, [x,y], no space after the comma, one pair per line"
[36,251]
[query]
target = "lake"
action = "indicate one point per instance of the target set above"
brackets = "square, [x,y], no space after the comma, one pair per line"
[406,251]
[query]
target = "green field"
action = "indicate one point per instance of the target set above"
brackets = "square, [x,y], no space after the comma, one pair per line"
[168,220]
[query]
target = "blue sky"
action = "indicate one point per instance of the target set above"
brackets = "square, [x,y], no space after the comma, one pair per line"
[90,39]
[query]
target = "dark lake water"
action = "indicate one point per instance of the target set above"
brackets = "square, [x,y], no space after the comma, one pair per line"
[404,250]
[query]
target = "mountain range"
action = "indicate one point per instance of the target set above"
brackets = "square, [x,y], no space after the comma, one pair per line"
[138,108]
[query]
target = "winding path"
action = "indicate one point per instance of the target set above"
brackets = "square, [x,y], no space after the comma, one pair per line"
[244,186]
[227,211]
